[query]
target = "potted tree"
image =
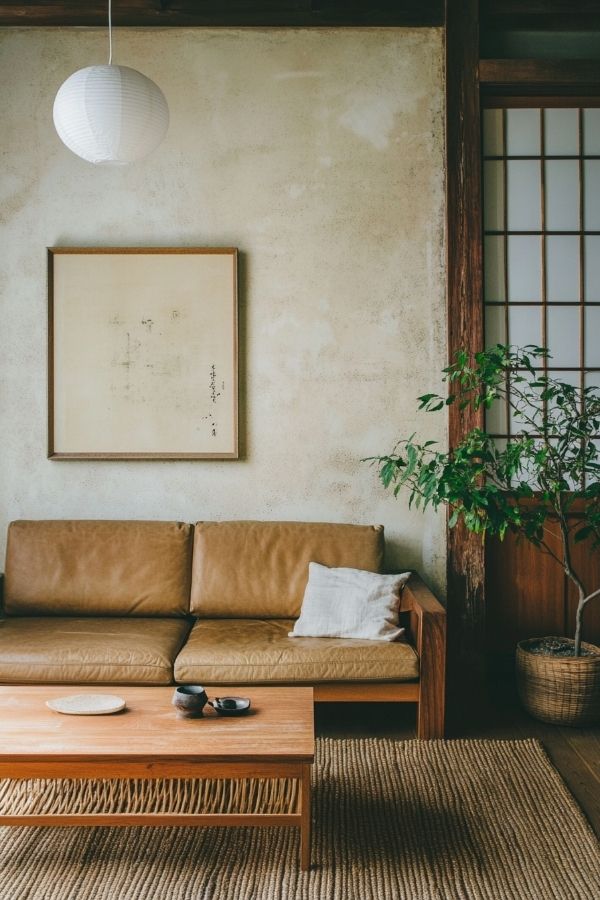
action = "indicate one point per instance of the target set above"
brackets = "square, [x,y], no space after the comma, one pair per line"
[543,483]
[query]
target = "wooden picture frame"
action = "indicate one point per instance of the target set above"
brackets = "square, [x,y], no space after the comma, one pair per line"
[142,353]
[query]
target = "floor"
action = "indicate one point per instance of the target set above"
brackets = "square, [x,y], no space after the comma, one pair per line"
[574,751]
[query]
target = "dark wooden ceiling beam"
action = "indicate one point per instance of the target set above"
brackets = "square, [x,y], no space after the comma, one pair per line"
[533,72]
[540,15]
[188,13]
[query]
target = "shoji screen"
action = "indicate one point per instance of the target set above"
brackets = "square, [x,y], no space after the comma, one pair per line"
[541,223]
[541,172]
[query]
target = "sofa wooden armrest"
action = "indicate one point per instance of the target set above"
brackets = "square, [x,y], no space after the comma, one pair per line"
[425,620]
[428,632]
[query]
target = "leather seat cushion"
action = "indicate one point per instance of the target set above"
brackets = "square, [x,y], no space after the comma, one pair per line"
[244,651]
[89,650]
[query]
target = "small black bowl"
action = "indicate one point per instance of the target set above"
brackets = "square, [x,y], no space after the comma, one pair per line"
[189,700]
[231,706]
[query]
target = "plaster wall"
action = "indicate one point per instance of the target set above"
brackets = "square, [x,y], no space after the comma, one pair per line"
[319,154]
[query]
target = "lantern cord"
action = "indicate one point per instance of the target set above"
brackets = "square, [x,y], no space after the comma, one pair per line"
[110,32]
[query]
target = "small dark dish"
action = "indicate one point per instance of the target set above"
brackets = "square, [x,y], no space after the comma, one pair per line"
[231,706]
[189,700]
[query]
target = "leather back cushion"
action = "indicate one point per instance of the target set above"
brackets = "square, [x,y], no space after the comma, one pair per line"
[95,568]
[260,569]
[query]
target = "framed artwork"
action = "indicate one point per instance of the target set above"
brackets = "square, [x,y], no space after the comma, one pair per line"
[143,353]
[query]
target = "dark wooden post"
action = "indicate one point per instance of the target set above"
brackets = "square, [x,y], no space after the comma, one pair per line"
[466,610]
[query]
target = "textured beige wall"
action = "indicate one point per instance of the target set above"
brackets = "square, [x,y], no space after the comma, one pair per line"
[319,154]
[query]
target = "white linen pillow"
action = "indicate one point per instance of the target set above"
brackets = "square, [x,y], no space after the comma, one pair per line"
[350,603]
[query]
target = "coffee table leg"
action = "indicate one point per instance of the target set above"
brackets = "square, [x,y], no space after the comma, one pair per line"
[306,819]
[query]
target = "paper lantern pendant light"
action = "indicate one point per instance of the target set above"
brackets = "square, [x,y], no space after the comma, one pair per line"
[110,115]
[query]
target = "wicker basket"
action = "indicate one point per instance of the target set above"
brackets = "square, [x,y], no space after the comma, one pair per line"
[560,690]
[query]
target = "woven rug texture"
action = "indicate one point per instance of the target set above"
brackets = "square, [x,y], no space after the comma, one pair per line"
[413,820]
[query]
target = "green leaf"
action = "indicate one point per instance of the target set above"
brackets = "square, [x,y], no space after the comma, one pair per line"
[517,488]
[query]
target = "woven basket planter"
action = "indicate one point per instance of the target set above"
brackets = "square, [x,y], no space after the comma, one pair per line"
[560,690]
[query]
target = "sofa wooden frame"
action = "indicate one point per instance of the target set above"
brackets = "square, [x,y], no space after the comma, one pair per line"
[425,621]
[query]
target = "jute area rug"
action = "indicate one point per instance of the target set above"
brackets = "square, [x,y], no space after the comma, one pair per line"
[416,820]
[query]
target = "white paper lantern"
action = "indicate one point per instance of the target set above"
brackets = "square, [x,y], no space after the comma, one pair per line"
[110,115]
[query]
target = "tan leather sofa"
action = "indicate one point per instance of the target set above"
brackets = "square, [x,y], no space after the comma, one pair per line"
[125,602]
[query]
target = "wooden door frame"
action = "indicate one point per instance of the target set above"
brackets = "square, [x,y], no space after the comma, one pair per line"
[465,552]
[468,79]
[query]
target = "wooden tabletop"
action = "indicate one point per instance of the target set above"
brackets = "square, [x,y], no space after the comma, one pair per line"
[279,727]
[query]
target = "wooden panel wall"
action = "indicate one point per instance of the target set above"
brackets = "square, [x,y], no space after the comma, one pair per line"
[529,596]
[587,562]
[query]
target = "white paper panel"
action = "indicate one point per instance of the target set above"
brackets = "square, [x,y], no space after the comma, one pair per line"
[523,475]
[572,484]
[562,330]
[596,443]
[493,263]
[525,325]
[592,267]
[493,195]
[523,132]
[528,476]
[562,268]
[495,325]
[592,379]
[524,195]
[492,132]
[517,423]
[524,268]
[591,203]
[591,131]
[561,132]
[562,195]
[592,336]
[500,443]
[573,378]
[496,418]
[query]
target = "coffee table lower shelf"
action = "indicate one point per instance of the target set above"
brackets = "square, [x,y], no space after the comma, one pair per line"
[241,796]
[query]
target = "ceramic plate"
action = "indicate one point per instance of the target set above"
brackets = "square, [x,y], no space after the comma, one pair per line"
[87,704]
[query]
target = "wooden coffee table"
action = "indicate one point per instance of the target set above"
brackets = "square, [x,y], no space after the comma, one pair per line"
[145,766]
